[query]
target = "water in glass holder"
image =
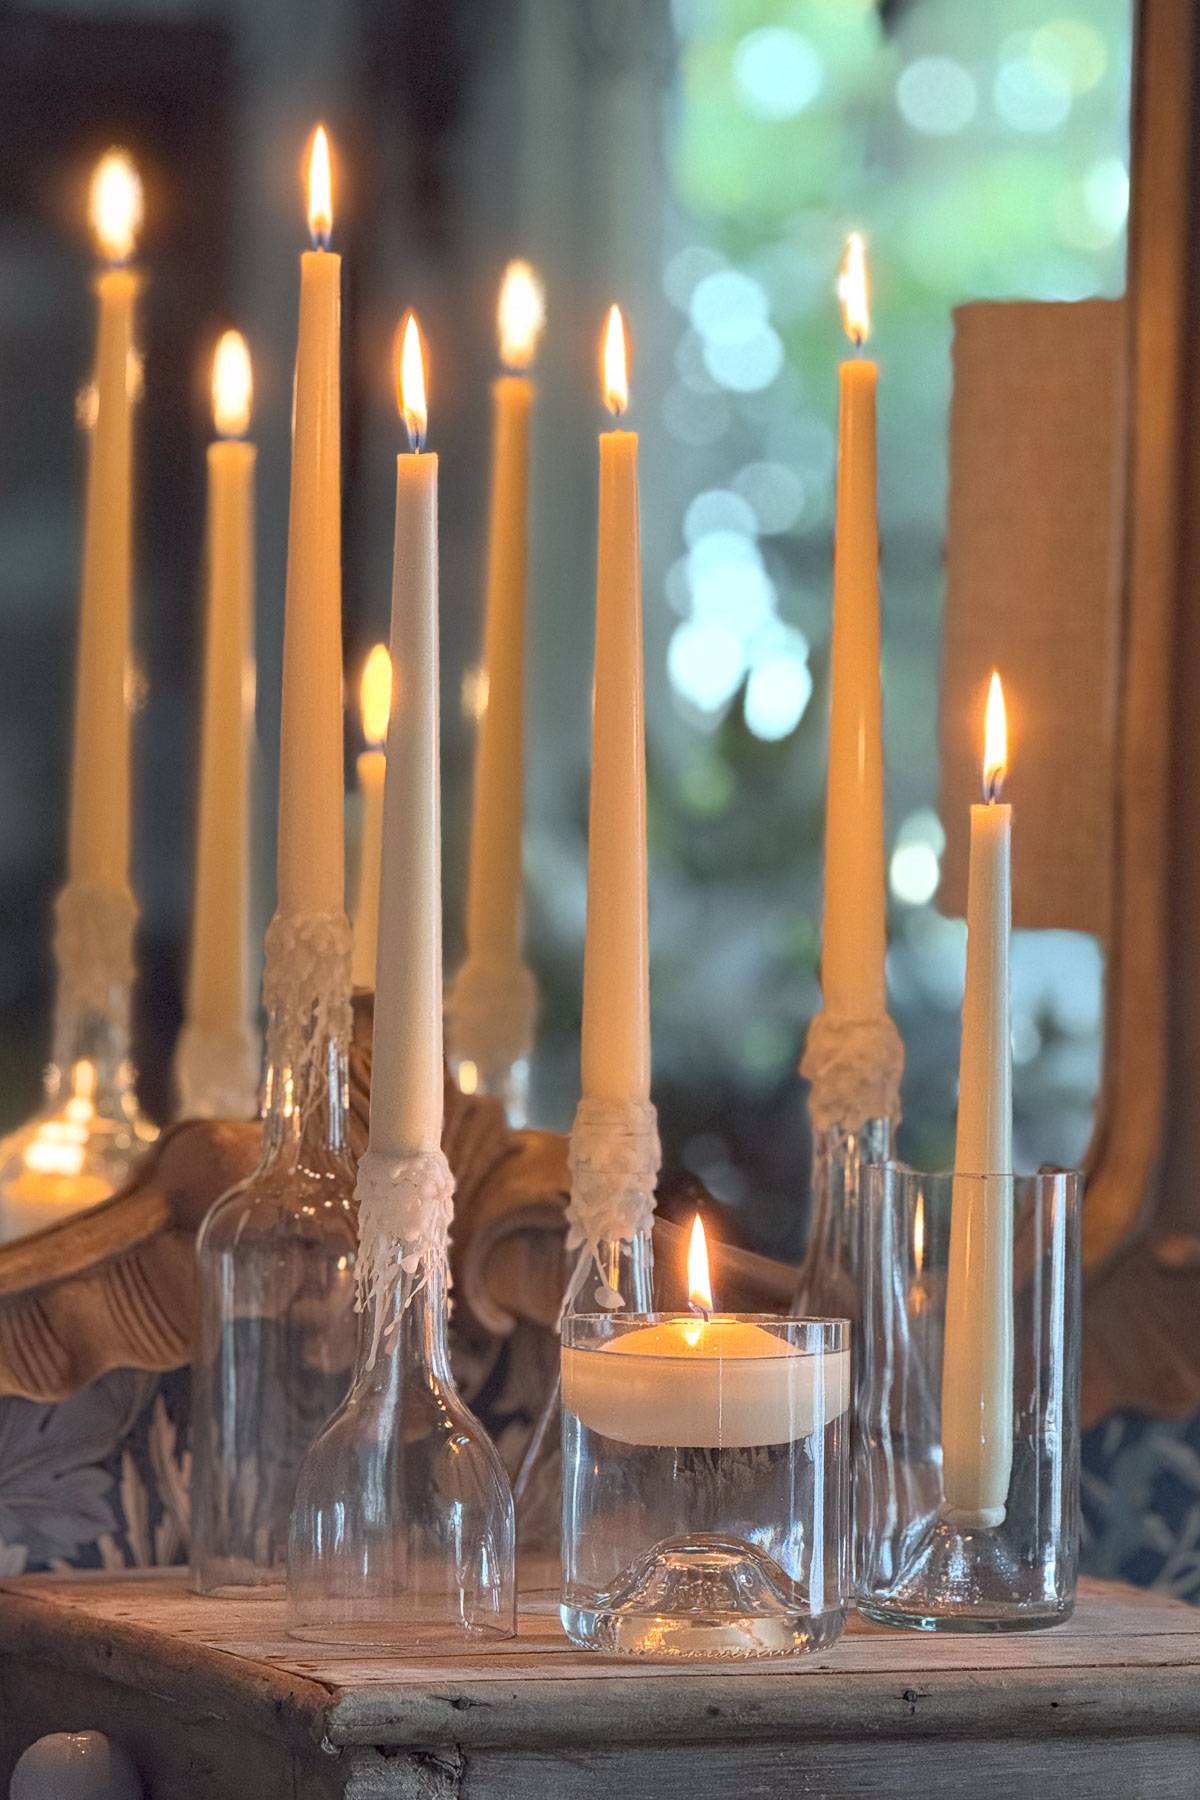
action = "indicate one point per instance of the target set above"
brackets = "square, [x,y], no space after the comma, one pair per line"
[926,1561]
[705,1484]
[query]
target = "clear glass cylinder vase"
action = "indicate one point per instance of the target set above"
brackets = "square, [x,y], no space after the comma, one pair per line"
[705,1508]
[277,1329]
[403,1530]
[967,1454]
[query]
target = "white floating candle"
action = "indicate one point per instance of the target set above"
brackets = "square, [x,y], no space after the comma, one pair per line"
[704,1381]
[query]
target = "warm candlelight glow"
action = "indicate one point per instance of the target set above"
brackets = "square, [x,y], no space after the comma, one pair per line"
[375,694]
[521,315]
[699,1284]
[919,1234]
[995,741]
[320,189]
[232,385]
[616,363]
[852,289]
[115,205]
[411,363]
[57,1147]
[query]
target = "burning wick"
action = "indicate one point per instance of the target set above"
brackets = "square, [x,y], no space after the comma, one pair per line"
[700,1299]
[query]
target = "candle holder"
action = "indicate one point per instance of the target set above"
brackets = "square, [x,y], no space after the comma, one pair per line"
[82,1144]
[931,1555]
[402,1531]
[614,1158]
[830,1278]
[276,1270]
[705,1484]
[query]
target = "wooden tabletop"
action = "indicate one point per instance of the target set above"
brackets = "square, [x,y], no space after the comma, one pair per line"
[1111,1698]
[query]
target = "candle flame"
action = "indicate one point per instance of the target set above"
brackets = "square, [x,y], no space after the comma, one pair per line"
[115,205]
[699,1284]
[232,385]
[410,363]
[375,694]
[919,1234]
[521,315]
[320,189]
[616,364]
[995,741]
[852,290]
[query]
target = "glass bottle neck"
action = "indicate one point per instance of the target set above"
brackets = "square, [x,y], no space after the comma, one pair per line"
[307,1087]
[90,1061]
[624,1264]
[405,1333]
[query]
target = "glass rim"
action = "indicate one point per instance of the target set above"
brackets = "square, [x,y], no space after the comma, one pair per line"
[1073,1177]
[834,1329]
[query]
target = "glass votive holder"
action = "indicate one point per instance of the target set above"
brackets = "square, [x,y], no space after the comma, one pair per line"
[705,1483]
[967,1448]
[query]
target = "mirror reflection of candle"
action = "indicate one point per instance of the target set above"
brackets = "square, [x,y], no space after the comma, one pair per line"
[375,700]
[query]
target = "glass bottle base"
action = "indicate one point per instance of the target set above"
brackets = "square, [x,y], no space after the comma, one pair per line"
[399,1632]
[969,1581]
[700,1597]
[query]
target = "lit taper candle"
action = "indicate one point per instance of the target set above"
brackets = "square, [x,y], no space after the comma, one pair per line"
[492,1001]
[854,935]
[406,1079]
[218,1058]
[311,866]
[615,1051]
[98,849]
[977,1374]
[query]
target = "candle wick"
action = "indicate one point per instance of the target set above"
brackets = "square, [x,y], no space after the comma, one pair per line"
[701,1312]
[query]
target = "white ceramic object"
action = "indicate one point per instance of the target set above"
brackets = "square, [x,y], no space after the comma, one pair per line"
[75,1765]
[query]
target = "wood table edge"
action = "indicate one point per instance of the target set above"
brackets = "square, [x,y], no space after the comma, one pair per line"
[238,1689]
[805,1706]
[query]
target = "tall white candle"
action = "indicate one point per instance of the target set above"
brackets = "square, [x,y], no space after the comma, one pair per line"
[376,700]
[493,925]
[311,870]
[854,932]
[977,1377]
[218,998]
[98,849]
[615,1050]
[406,1080]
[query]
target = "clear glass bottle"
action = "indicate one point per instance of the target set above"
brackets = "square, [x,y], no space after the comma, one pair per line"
[81,1145]
[830,1278]
[971,1529]
[403,1529]
[277,1328]
[625,1266]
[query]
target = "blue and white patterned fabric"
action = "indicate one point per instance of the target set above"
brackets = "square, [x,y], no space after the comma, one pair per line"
[1141,1502]
[101,1481]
